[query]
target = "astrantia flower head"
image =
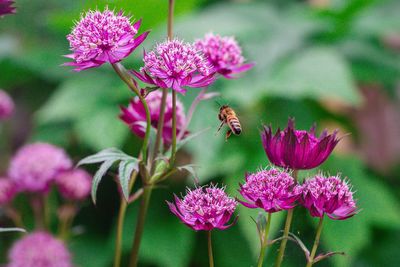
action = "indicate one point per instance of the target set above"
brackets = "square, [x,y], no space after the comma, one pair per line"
[6,105]
[223,53]
[175,64]
[74,184]
[328,195]
[204,208]
[6,7]
[101,37]
[297,149]
[7,191]
[135,116]
[34,166]
[39,249]
[272,190]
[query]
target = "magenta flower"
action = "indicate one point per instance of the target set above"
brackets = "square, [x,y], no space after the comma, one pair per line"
[6,7]
[74,184]
[224,54]
[297,149]
[101,37]
[272,190]
[6,105]
[7,191]
[204,208]
[330,196]
[35,166]
[39,249]
[175,64]
[135,117]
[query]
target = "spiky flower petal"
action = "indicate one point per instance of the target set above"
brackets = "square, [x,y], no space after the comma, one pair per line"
[101,37]
[39,249]
[35,166]
[175,64]
[223,53]
[6,7]
[135,116]
[297,149]
[328,195]
[204,208]
[271,189]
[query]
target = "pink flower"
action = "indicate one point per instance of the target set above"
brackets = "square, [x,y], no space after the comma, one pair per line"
[272,190]
[135,117]
[6,105]
[6,7]
[328,195]
[224,53]
[35,166]
[7,191]
[204,208]
[74,184]
[297,149]
[175,64]
[39,249]
[101,37]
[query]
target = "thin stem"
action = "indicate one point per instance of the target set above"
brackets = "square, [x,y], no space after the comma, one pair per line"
[15,216]
[171,5]
[173,145]
[316,243]
[123,74]
[160,126]
[210,251]
[264,241]
[38,211]
[144,205]
[120,223]
[288,223]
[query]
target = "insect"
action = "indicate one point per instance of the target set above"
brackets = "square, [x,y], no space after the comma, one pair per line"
[228,116]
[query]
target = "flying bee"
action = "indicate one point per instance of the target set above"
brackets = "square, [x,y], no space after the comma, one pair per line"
[228,116]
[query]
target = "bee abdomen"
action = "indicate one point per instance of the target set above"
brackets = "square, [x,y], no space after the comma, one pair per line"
[235,125]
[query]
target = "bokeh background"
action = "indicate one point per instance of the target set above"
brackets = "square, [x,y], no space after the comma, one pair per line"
[334,62]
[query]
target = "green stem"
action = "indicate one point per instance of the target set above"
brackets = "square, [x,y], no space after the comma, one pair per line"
[171,5]
[173,145]
[144,205]
[123,74]
[264,241]
[120,224]
[288,223]
[316,243]
[210,252]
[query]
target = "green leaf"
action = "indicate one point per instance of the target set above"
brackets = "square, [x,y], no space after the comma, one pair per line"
[125,169]
[98,175]
[104,155]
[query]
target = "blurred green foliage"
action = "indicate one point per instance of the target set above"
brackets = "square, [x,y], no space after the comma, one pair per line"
[308,59]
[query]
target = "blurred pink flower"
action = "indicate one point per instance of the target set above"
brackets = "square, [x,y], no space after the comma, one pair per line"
[328,195]
[224,53]
[101,37]
[175,64]
[297,149]
[6,105]
[135,117]
[34,166]
[6,7]
[272,190]
[39,249]
[204,208]
[7,190]
[74,184]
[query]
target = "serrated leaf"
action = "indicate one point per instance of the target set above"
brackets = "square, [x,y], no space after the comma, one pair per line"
[98,175]
[125,169]
[12,229]
[104,155]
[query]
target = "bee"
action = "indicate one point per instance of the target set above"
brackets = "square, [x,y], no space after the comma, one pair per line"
[228,116]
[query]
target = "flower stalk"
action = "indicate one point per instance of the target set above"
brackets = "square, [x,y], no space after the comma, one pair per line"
[210,252]
[316,243]
[264,241]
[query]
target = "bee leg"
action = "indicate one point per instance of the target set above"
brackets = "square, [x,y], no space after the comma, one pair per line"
[228,133]
[220,126]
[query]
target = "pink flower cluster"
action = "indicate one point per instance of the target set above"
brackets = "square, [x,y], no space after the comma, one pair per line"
[7,191]
[6,105]
[204,208]
[101,37]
